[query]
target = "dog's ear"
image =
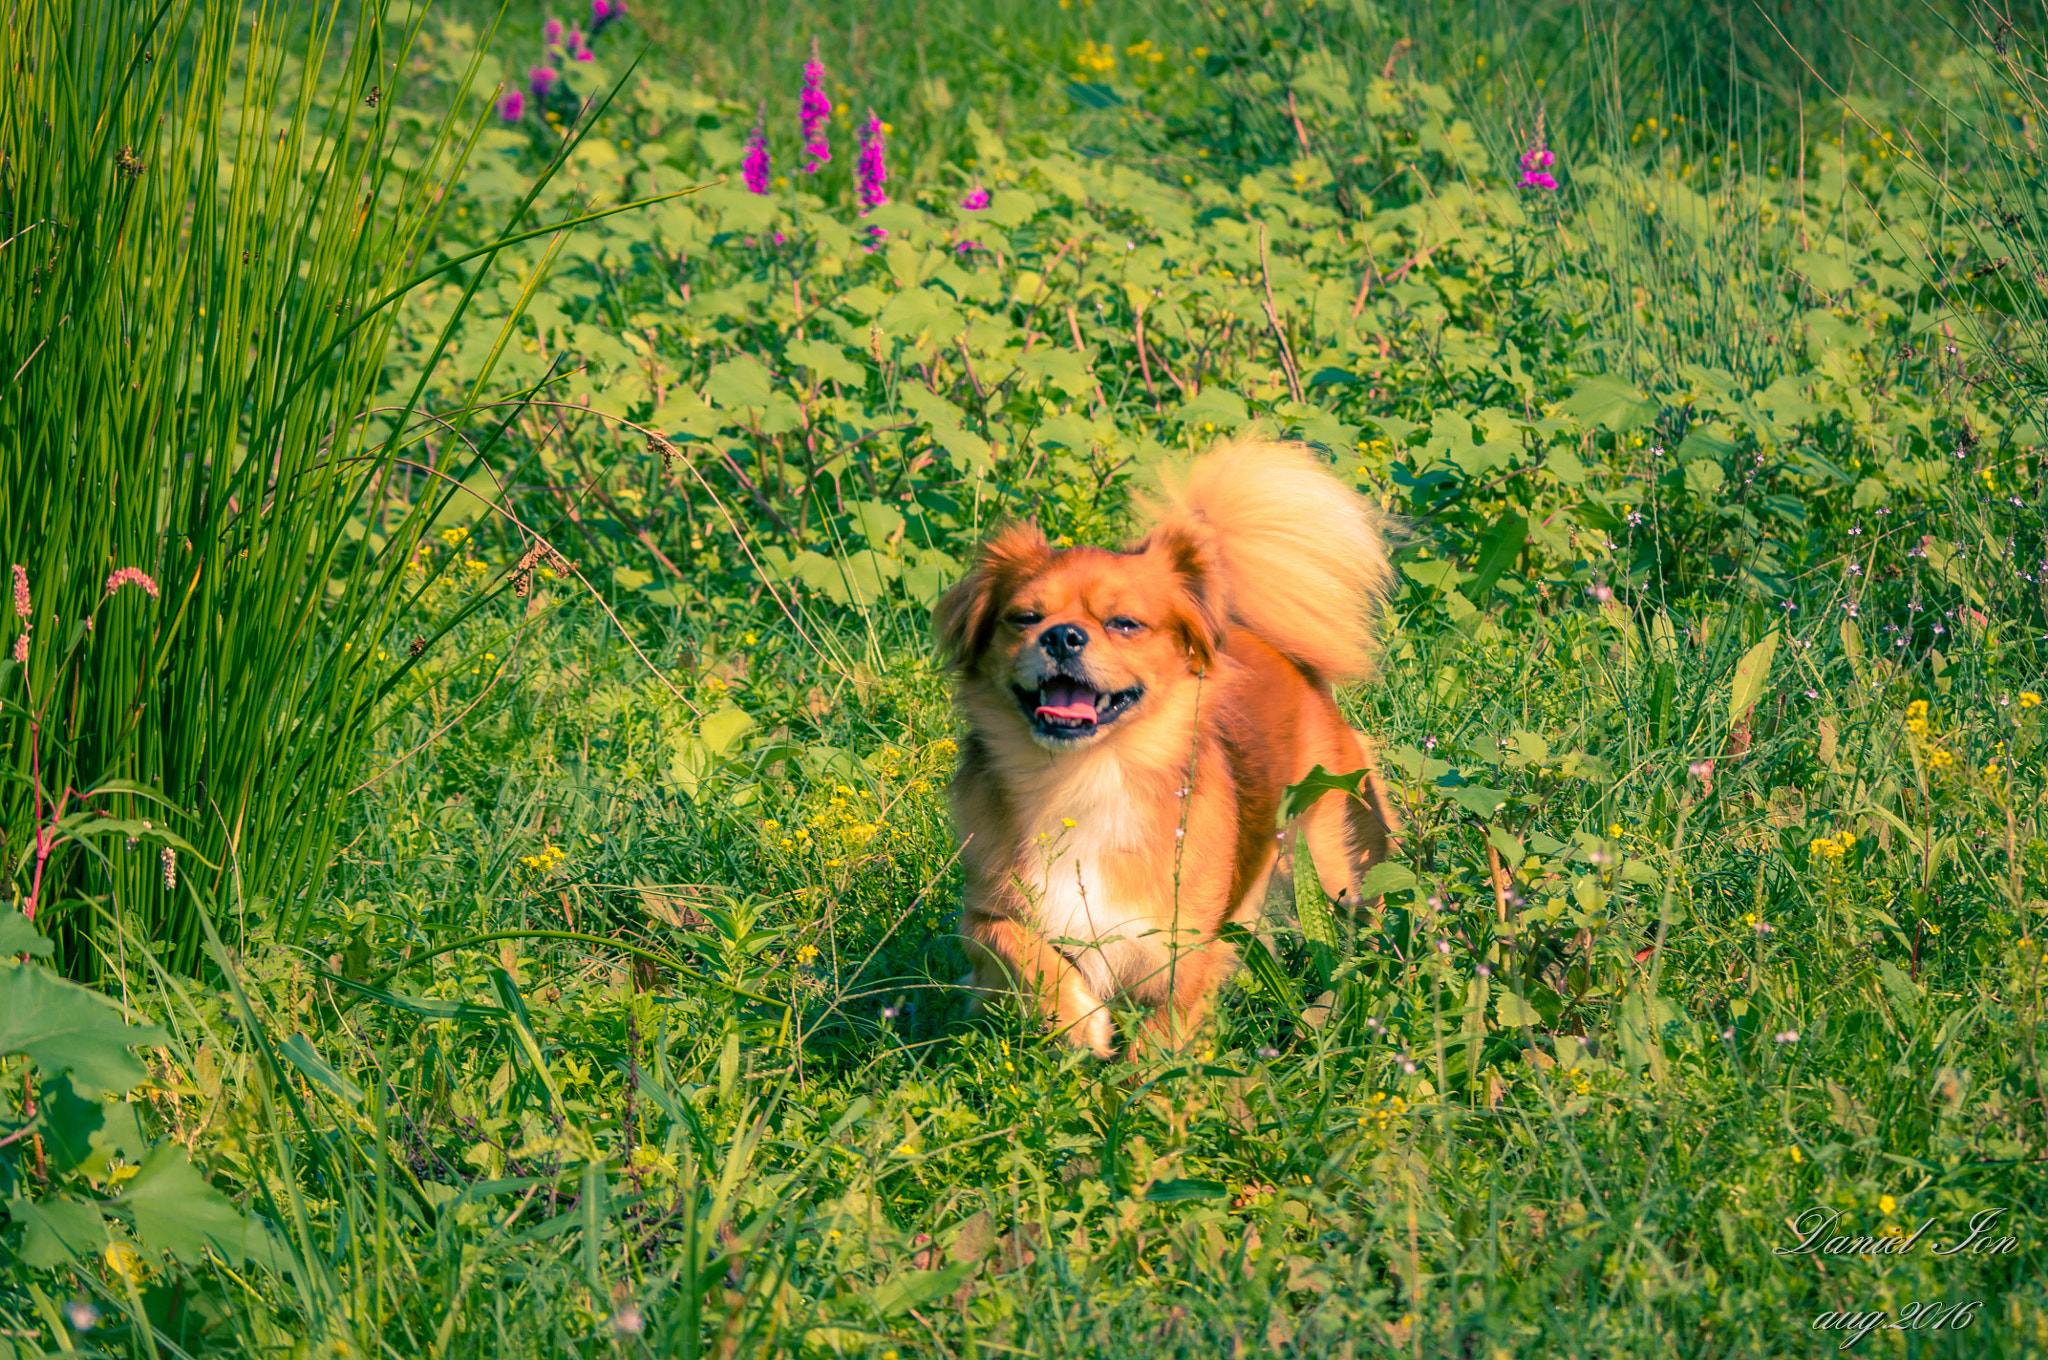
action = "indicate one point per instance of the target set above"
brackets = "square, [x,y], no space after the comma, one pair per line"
[965,617]
[1202,610]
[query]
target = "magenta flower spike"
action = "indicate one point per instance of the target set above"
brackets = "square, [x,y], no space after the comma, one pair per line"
[551,33]
[539,79]
[814,112]
[1536,163]
[755,167]
[579,46]
[512,107]
[871,172]
[976,200]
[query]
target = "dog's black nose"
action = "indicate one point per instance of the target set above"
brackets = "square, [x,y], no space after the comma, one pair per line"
[1063,640]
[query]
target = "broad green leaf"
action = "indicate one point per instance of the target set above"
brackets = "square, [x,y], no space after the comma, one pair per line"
[1181,1191]
[1752,677]
[60,1026]
[722,729]
[1299,798]
[57,1230]
[18,936]
[1496,552]
[1384,878]
[85,1132]
[915,1288]
[739,383]
[826,361]
[175,1210]
[1510,1009]
[1476,799]
[1610,402]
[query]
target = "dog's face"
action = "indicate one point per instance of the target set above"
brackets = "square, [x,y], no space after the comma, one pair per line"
[1069,647]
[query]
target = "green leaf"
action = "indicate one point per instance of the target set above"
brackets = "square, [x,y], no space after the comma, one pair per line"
[1299,798]
[60,1026]
[737,383]
[300,1053]
[1752,675]
[1476,799]
[18,935]
[1385,877]
[1260,960]
[723,728]
[915,1288]
[1181,1191]
[1510,1009]
[827,362]
[175,1210]
[1610,402]
[57,1230]
[1496,552]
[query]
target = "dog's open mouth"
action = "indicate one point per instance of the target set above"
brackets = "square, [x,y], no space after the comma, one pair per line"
[1065,708]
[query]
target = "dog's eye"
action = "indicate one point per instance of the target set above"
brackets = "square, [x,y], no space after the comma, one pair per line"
[1024,618]
[1125,624]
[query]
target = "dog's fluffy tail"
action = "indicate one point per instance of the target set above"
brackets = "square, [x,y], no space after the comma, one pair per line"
[1302,557]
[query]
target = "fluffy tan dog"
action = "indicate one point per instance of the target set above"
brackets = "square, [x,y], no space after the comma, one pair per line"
[1135,718]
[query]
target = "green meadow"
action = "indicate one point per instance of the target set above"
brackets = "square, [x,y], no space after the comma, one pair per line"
[479,879]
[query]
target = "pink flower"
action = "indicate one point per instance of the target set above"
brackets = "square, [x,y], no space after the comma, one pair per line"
[600,10]
[21,650]
[814,112]
[21,603]
[976,200]
[551,33]
[131,576]
[1536,163]
[582,54]
[871,172]
[512,107]
[540,79]
[755,167]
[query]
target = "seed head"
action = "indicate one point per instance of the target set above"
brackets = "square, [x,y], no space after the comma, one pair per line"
[170,863]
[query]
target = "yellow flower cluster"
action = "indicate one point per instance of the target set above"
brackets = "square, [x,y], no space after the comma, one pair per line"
[1099,58]
[1381,1110]
[2029,699]
[1916,717]
[1832,848]
[546,862]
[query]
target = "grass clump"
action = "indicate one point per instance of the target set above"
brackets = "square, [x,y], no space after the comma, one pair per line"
[623,1020]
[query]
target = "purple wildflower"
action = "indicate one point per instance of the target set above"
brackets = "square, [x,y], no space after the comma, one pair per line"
[539,80]
[871,172]
[976,200]
[551,33]
[21,602]
[1536,163]
[512,107]
[814,111]
[755,166]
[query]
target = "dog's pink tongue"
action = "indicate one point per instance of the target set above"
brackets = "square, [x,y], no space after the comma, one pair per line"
[1065,699]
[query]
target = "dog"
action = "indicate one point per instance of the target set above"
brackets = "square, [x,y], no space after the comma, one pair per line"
[1134,719]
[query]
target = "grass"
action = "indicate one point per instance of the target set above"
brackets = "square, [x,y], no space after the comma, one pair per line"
[622,1021]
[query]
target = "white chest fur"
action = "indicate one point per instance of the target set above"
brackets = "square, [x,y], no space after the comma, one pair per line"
[1086,879]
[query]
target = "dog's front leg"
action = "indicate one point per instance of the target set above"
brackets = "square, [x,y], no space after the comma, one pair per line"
[1191,982]
[1009,956]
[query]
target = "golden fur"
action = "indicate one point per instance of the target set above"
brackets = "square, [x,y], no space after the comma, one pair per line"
[1135,718]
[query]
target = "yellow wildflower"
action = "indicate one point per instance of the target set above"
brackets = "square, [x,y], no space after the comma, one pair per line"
[1886,1205]
[1940,760]
[2029,699]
